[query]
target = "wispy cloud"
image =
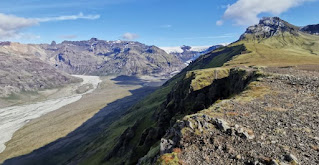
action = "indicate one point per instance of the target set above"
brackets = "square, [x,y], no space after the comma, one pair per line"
[220,22]
[68,17]
[11,25]
[68,36]
[130,36]
[245,12]
[166,26]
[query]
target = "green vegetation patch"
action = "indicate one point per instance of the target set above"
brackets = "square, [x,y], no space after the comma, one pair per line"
[205,77]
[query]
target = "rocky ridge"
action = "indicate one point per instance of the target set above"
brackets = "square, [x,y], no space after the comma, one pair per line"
[277,126]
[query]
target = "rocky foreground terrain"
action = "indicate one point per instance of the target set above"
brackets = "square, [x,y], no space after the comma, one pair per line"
[274,121]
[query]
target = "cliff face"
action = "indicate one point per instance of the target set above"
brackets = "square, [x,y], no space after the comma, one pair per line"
[196,91]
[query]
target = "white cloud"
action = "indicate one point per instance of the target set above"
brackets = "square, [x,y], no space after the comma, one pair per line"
[11,22]
[245,12]
[130,36]
[11,25]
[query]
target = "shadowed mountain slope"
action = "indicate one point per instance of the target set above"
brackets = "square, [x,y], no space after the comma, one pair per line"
[21,70]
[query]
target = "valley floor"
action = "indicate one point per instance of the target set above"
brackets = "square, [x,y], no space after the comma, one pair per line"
[48,120]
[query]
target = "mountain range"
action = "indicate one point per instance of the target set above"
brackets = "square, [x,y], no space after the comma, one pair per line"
[254,101]
[98,57]
[30,67]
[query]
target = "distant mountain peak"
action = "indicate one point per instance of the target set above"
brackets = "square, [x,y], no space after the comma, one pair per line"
[311,29]
[53,43]
[93,39]
[268,27]
[5,43]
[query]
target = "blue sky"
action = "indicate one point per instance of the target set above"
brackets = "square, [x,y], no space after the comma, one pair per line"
[154,22]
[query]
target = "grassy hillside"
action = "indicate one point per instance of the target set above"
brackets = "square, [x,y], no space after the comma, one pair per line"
[283,50]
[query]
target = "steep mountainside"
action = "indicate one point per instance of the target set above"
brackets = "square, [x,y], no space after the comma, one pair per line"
[21,70]
[98,57]
[252,102]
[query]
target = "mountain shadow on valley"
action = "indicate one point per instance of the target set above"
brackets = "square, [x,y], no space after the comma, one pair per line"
[68,148]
